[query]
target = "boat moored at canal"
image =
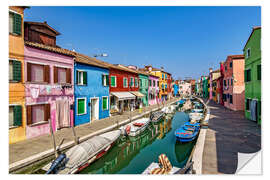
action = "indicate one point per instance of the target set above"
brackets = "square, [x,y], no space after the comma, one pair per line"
[157,116]
[187,132]
[136,127]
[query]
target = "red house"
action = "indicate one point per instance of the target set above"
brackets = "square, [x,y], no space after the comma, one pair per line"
[124,88]
[220,96]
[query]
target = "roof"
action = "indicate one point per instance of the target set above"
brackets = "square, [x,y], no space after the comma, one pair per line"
[91,61]
[154,69]
[50,48]
[122,68]
[240,56]
[42,24]
[253,29]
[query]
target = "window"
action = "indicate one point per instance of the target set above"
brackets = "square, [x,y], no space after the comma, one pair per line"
[158,83]
[136,82]
[105,79]
[15,71]
[259,72]
[231,81]
[15,116]
[150,82]
[140,81]
[81,77]
[248,53]
[154,83]
[224,83]
[38,113]
[131,83]
[165,76]
[125,83]
[248,101]
[113,81]
[231,99]
[38,73]
[62,75]
[162,76]
[231,65]
[225,68]
[224,97]
[15,23]
[213,94]
[81,106]
[104,103]
[247,75]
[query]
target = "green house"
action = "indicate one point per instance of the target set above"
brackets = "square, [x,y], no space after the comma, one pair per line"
[143,79]
[205,86]
[252,52]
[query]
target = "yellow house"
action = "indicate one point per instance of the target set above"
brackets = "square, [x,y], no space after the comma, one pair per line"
[17,115]
[164,85]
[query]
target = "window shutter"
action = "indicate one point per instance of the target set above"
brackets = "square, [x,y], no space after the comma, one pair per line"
[29,114]
[29,72]
[55,74]
[47,73]
[85,78]
[17,70]
[107,80]
[112,81]
[102,77]
[104,103]
[47,113]
[68,75]
[77,77]
[17,110]
[259,72]
[17,24]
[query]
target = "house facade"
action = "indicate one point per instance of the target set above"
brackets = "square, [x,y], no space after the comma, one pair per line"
[176,88]
[144,85]
[17,112]
[233,82]
[184,88]
[48,81]
[205,93]
[153,90]
[124,89]
[91,90]
[252,52]
[220,94]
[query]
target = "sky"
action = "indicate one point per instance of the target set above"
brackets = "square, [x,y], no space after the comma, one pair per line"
[186,41]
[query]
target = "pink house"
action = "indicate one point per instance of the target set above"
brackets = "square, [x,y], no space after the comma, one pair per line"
[153,90]
[233,82]
[48,82]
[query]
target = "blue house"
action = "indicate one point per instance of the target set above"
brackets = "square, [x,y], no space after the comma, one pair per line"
[175,89]
[91,89]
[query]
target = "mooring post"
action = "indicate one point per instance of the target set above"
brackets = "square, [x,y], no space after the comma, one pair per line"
[53,138]
[76,140]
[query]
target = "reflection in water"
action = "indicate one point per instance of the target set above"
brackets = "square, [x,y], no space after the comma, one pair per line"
[131,155]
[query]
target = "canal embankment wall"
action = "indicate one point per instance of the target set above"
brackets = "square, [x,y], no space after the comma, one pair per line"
[197,154]
[45,156]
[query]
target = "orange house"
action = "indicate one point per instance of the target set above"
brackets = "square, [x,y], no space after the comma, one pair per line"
[16,81]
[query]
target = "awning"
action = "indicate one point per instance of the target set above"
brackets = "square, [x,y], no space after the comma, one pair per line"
[137,93]
[123,95]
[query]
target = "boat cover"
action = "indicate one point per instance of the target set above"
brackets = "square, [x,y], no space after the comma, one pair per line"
[84,151]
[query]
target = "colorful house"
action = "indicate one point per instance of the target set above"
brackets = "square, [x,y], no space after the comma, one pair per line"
[91,89]
[220,95]
[48,81]
[214,75]
[153,90]
[252,52]
[17,120]
[233,83]
[205,92]
[184,88]
[176,88]
[124,89]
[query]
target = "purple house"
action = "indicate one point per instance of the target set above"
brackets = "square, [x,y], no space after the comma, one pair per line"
[49,83]
[153,90]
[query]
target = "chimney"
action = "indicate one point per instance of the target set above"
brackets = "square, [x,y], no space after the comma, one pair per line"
[210,70]
[45,22]
[162,68]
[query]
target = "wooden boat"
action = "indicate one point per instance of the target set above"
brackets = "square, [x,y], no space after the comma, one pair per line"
[187,132]
[196,116]
[197,110]
[157,116]
[82,155]
[136,127]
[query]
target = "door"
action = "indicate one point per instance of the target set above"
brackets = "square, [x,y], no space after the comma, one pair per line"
[94,109]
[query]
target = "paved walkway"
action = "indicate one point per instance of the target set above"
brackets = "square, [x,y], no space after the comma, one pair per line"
[229,133]
[24,149]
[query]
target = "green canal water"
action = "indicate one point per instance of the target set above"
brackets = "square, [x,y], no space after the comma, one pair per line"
[132,155]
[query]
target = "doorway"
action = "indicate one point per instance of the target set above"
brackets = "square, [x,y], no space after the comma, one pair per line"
[94,109]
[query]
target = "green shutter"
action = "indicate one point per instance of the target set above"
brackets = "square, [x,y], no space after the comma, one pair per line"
[104,103]
[245,75]
[17,115]
[259,72]
[77,77]
[84,78]
[16,70]
[17,24]
[81,106]
[112,81]
[107,80]
[102,79]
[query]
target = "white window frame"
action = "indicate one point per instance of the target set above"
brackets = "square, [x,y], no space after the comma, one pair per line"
[115,81]
[124,82]
[77,104]
[105,75]
[248,50]
[107,103]
[81,79]
[132,80]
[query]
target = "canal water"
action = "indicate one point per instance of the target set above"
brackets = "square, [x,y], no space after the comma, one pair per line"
[132,155]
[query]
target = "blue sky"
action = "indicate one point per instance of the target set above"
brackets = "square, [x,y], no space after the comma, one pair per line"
[186,41]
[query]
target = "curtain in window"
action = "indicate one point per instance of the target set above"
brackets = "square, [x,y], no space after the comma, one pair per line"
[62,75]
[37,73]
[38,113]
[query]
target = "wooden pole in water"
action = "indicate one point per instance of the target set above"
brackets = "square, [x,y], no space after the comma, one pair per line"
[53,138]
[76,140]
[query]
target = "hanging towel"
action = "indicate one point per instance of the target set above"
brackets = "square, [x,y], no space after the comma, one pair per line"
[34,92]
[62,113]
